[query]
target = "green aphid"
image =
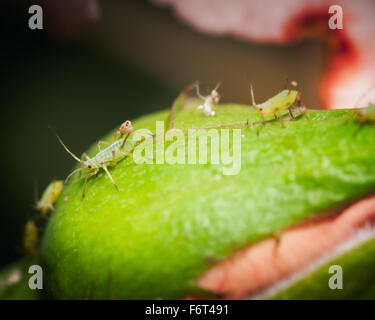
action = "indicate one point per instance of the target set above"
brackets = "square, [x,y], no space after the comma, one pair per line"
[49,197]
[288,99]
[30,238]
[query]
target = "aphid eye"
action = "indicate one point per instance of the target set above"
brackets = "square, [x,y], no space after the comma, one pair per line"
[89,166]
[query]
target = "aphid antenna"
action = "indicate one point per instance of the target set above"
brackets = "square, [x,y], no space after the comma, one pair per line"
[198,92]
[217,86]
[253,104]
[286,86]
[175,103]
[65,147]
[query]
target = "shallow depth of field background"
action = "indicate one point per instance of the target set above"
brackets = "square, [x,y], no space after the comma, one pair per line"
[133,61]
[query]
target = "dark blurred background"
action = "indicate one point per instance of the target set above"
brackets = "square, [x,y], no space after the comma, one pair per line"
[98,63]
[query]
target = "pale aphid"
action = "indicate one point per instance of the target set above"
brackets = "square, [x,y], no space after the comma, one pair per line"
[49,196]
[288,99]
[30,238]
[109,156]
[13,277]
[209,101]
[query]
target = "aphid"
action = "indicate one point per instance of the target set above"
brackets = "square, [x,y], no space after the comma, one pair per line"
[103,159]
[288,99]
[13,277]
[30,237]
[49,197]
[209,101]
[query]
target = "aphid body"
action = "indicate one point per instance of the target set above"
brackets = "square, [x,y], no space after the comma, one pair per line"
[284,100]
[103,159]
[278,103]
[49,196]
[30,237]
[209,101]
[108,156]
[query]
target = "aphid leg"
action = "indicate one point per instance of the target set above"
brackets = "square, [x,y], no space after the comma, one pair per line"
[260,126]
[126,138]
[198,92]
[100,143]
[253,104]
[73,173]
[278,116]
[87,178]
[300,107]
[109,175]
[117,135]
[291,113]
[83,157]
[263,122]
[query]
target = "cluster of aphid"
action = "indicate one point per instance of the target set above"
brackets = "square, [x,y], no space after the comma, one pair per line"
[104,158]
[286,100]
